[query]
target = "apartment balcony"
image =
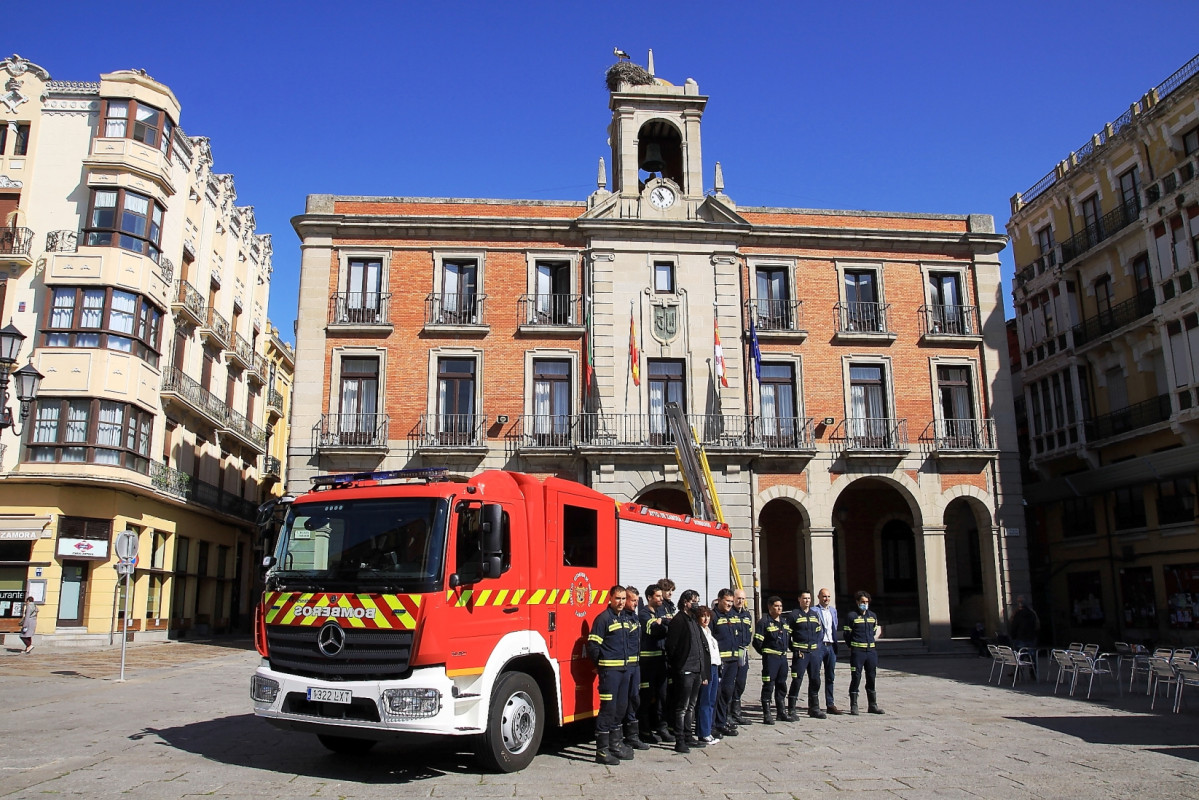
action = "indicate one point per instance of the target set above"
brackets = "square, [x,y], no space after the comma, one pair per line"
[181,485]
[215,328]
[458,313]
[1134,417]
[166,268]
[186,392]
[246,431]
[545,433]
[862,322]
[961,438]
[132,155]
[784,437]
[1061,442]
[16,246]
[1103,228]
[351,433]
[777,319]
[189,304]
[872,437]
[1118,316]
[241,353]
[274,404]
[360,311]
[550,313]
[1043,265]
[272,467]
[259,369]
[463,433]
[950,323]
[62,241]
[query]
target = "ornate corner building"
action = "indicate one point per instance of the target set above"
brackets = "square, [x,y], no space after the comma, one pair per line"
[1106,258]
[142,289]
[845,371]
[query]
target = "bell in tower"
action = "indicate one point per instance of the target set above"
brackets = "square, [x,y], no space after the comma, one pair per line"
[660,151]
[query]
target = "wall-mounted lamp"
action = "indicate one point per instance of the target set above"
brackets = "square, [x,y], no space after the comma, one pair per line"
[27,379]
[828,421]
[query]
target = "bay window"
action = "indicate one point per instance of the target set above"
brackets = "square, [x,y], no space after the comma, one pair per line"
[133,119]
[90,430]
[125,219]
[105,318]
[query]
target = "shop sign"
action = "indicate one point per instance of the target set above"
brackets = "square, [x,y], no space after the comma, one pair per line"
[10,603]
[82,548]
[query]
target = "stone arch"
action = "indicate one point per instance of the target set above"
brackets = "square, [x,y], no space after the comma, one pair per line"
[665,496]
[972,556]
[907,488]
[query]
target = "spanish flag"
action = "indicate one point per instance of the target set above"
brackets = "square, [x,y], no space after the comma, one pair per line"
[634,353]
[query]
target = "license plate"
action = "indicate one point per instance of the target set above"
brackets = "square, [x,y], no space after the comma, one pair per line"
[330,695]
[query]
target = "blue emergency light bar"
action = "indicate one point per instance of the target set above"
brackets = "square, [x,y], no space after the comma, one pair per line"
[347,478]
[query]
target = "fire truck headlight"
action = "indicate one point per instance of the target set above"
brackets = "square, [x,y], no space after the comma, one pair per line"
[263,690]
[411,703]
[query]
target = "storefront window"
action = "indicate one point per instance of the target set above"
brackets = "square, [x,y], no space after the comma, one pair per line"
[1137,594]
[1085,590]
[1182,595]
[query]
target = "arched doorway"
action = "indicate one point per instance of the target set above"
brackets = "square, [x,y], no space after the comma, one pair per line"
[666,498]
[783,549]
[964,568]
[876,551]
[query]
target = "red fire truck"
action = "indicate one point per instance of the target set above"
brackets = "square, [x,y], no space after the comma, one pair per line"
[402,602]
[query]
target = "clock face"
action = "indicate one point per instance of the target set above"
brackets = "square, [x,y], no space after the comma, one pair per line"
[661,197]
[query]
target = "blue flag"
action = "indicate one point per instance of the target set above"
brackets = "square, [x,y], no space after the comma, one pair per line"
[754,352]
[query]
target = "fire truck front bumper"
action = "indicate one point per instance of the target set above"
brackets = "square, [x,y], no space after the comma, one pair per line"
[420,703]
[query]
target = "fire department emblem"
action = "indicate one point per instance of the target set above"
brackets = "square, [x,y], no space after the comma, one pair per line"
[580,594]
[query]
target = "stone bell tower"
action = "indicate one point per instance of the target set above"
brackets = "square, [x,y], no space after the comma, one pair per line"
[657,164]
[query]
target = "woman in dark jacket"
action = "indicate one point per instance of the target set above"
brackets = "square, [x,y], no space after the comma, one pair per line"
[687,653]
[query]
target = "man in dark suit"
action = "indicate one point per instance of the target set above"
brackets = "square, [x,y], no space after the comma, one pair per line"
[827,612]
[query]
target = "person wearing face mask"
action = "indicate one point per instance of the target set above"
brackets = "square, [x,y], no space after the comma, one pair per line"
[689,659]
[861,633]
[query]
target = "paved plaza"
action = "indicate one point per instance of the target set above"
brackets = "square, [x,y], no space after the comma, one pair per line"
[181,726]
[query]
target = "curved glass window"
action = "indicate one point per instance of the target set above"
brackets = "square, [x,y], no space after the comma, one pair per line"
[107,318]
[133,119]
[90,430]
[125,219]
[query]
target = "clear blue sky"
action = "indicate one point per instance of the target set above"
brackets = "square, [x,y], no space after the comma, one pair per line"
[943,107]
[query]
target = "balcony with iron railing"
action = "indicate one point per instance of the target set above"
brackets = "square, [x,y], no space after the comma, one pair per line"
[961,437]
[1138,415]
[449,432]
[274,402]
[215,328]
[351,432]
[787,436]
[871,435]
[860,320]
[241,353]
[950,322]
[183,486]
[245,430]
[1101,229]
[189,304]
[550,311]
[775,318]
[179,387]
[1115,318]
[271,467]
[1039,266]
[360,309]
[259,369]
[16,245]
[166,268]
[461,311]
[62,241]
[556,432]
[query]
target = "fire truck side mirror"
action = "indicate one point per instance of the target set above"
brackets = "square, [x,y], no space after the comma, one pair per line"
[493,540]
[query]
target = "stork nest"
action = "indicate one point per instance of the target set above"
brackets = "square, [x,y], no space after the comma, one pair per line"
[627,72]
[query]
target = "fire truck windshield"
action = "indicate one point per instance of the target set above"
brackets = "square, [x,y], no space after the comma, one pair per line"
[379,544]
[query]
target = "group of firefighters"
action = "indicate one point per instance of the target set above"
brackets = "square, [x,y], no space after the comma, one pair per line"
[655,659]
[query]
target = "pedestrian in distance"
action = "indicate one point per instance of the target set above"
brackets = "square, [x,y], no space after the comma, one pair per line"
[688,658]
[632,625]
[28,623]
[709,695]
[828,647]
[1024,625]
[806,636]
[861,634]
[654,703]
[608,647]
[772,640]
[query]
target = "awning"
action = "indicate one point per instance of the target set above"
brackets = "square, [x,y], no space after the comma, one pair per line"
[23,528]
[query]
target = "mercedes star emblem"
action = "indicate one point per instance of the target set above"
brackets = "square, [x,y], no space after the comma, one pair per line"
[331,640]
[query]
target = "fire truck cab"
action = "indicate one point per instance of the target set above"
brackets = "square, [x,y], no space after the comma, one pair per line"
[401,603]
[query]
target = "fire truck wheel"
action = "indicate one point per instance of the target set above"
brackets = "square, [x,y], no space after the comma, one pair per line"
[346,745]
[515,724]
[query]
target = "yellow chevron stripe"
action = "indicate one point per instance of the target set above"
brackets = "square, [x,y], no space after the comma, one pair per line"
[516,596]
[553,598]
[535,600]
[464,598]
[481,600]
[499,597]
[566,595]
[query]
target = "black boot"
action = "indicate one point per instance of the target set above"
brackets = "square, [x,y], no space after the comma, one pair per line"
[632,736]
[767,719]
[814,706]
[680,734]
[739,716]
[782,713]
[790,710]
[618,748]
[872,700]
[663,733]
[853,703]
[602,754]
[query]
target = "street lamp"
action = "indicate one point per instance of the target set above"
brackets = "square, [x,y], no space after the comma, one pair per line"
[27,378]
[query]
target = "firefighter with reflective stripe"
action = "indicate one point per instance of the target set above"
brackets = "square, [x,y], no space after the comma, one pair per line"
[806,636]
[724,630]
[608,646]
[745,639]
[772,639]
[632,626]
[654,706]
[861,631]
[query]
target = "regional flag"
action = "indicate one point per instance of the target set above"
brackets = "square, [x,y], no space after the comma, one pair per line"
[634,353]
[754,352]
[718,360]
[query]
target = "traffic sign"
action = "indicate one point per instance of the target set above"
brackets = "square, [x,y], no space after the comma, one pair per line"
[126,545]
[124,567]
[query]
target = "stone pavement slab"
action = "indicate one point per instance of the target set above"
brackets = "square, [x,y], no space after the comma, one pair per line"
[181,726]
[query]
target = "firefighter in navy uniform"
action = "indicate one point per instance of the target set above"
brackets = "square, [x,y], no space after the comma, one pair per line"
[654,711]
[772,639]
[632,625]
[724,630]
[861,630]
[608,647]
[745,639]
[806,636]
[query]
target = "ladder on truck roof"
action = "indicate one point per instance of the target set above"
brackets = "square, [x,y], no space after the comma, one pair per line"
[697,475]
